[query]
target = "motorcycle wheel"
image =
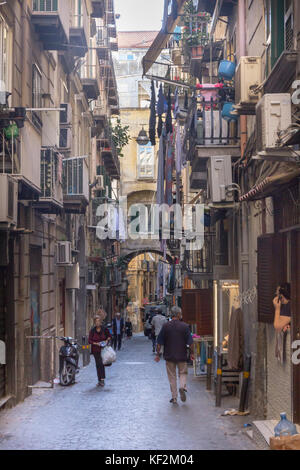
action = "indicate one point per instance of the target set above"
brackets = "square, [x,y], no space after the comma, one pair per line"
[68,377]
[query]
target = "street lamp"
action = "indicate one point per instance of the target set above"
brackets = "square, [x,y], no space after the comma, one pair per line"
[142,138]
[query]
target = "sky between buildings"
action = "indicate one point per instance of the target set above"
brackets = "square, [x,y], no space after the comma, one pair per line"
[139,15]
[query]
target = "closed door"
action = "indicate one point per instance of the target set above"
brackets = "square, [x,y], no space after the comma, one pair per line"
[2,328]
[35,274]
[295,294]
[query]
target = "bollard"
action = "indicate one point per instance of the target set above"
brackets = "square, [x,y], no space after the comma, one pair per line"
[209,365]
[219,381]
[85,351]
[245,384]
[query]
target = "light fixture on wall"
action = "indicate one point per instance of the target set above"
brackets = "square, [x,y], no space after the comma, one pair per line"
[142,138]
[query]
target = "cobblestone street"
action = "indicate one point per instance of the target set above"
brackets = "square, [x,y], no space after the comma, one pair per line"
[131,412]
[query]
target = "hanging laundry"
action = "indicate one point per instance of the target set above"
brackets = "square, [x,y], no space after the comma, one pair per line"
[160,172]
[186,100]
[169,169]
[178,150]
[176,103]
[169,126]
[177,34]
[152,121]
[160,110]
[174,10]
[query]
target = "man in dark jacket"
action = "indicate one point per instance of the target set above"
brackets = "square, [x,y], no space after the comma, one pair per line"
[118,330]
[175,336]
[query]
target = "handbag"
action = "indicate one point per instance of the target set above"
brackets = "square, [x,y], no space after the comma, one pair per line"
[108,355]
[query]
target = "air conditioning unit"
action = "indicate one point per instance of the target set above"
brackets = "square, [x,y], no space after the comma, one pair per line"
[65,138]
[248,76]
[100,183]
[65,116]
[64,253]
[273,114]
[73,277]
[219,178]
[9,200]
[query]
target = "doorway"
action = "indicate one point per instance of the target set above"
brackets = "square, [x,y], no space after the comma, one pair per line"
[35,273]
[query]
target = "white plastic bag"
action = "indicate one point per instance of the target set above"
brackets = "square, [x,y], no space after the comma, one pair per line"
[108,355]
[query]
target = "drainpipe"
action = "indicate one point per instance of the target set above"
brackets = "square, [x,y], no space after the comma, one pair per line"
[244,225]
[243,52]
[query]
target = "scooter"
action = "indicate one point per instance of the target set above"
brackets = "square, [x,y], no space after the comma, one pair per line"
[68,360]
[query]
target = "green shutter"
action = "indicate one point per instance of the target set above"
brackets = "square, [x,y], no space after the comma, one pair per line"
[277,34]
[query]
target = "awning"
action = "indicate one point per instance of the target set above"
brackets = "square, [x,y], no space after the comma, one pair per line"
[161,39]
[278,176]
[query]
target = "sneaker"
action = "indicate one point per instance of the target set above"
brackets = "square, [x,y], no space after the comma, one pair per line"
[101,383]
[182,392]
[174,401]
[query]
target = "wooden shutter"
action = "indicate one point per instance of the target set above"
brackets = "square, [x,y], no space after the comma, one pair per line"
[197,308]
[189,305]
[205,313]
[271,272]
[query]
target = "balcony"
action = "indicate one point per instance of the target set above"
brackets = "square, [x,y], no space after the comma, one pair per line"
[100,113]
[89,80]
[98,8]
[215,137]
[20,157]
[199,264]
[109,156]
[103,44]
[51,21]
[51,199]
[75,185]
[79,28]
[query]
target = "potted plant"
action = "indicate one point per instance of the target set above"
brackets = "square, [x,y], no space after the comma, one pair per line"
[195,30]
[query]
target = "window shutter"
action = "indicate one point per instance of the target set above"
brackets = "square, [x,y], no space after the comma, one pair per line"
[197,308]
[271,272]
[205,325]
[189,306]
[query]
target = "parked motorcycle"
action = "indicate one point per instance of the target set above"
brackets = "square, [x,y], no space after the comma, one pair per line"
[68,360]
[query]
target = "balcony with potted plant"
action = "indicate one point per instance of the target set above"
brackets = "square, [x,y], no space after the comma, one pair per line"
[195,31]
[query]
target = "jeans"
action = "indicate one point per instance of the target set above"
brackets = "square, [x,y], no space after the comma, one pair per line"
[117,341]
[99,366]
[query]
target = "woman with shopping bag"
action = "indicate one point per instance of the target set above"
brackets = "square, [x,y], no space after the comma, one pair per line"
[99,338]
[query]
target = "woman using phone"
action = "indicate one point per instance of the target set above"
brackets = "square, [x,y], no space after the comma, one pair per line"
[282,305]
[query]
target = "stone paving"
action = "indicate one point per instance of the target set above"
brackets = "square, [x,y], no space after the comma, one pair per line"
[132,412]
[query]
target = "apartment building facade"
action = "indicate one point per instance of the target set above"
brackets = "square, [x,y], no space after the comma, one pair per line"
[243,166]
[51,79]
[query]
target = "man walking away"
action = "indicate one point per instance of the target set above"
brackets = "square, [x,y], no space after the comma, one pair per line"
[175,336]
[118,329]
[157,323]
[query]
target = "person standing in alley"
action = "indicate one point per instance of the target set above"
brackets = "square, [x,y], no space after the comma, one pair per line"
[175,336]
[157,323]
[128,328]
[98,338]
[118,330]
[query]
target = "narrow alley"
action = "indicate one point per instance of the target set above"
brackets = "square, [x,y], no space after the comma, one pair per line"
[131,412]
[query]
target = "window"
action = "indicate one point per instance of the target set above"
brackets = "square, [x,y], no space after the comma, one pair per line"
[36,87]
[268,35]
[145,161]
[288,26]
[4,56]
[36,95]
